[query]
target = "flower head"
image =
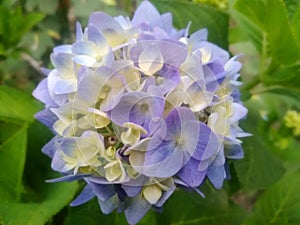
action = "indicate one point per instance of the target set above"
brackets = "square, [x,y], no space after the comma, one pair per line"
[139,109]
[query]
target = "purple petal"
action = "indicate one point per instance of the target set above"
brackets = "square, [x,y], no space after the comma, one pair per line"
[58,85]
[164,161]
[109,205]
[86,195]
[84,48]
[50,148]
[174,52]
[145,13]
[200,35]
[132,191]
[216,175]
[234,151]
[175,119]
[190,173]
[104,22]
[137,107]
[102,191]
[136,208]
[47,117]
[206,142]
[165,196]
[68,178]
[41,93]
[79,33]
[95,36]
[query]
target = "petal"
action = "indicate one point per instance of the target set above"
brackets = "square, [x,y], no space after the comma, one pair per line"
[58,85]
[50,148]
[96,37]
[85,60]
[165,196]
[150,60]
[191,175]
[109,205]
[239,112]
[68,178]
[164,161]
[47,117]
[152,193]
[132,191]
[102,191]
[41,93]
[86,195]
[104,22]
[234,151]
[145,13]
[216,175]
[85,48]
[136,208]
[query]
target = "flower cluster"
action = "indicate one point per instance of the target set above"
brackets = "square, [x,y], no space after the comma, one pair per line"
[139,108]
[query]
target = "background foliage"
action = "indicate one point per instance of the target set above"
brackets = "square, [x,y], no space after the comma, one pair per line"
[264,188]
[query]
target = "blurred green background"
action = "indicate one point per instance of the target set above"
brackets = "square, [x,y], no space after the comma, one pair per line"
[264,188]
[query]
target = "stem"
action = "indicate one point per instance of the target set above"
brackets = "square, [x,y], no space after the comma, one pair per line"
[264,49]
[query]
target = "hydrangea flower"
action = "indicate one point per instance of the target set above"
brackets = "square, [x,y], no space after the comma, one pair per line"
[139,109]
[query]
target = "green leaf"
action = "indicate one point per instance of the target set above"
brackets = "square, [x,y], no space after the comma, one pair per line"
[259,168]
[184,208]
[291,6]
[268,20]
[55,197]
[17,105]
[280,204]
[48,7]
[283,90]
[12,161]
[201,16]
[14,24]
[90,213]
[36,162]
[282,74]
[295,24]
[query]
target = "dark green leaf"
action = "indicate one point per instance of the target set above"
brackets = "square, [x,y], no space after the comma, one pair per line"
[17,105]
[12,161]
[90,213]
[201,16]
[7,131]
[36,162]
[280,204]
[291,6]
[296,24]
[260,167]
[282,90]
[185,208]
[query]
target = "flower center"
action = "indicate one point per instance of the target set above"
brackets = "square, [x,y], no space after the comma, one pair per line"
[144,107]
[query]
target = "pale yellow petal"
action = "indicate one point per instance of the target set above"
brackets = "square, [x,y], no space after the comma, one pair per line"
[152,193]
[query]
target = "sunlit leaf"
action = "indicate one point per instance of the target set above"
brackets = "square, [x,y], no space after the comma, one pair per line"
[260,18]
[17,105]
[280,204]
[54,198]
